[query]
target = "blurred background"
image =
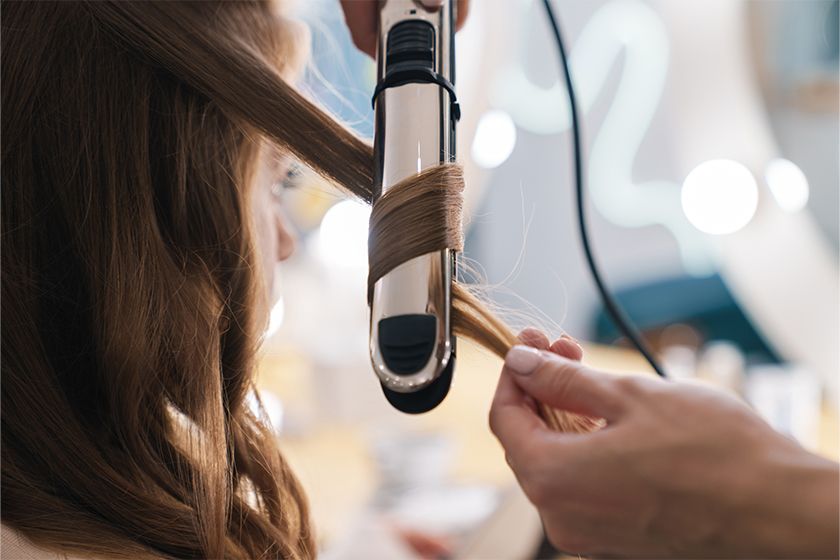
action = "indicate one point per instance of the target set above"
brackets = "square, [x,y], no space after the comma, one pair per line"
[711,151]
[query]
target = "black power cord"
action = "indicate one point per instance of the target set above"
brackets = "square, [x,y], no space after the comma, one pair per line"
[616,313]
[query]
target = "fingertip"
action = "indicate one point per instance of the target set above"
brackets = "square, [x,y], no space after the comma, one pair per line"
[523,360]
[365,42]
[534,337]
[362,19]
[463,11]
[369,48]
[567,347]
[570,338]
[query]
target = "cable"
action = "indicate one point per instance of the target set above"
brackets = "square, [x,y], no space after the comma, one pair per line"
[616,313]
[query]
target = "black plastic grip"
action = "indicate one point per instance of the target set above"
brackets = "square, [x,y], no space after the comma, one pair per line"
[410,59]
[411,44]
[406,342]
[426,398]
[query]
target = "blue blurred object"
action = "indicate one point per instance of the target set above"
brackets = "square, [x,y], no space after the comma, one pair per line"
[705,304]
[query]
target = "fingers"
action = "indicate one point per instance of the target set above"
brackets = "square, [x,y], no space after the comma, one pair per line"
[568,347]
[534,337]
[513,417]
[563,383]
[565,345]
[363,20]
[463,10]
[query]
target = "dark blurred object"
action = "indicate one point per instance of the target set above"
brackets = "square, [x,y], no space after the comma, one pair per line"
[546,550]
[705,305]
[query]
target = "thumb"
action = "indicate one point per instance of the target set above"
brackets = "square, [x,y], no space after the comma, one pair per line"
[565,384]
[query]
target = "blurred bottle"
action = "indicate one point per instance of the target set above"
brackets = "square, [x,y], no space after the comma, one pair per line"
[723,364]
[789,398]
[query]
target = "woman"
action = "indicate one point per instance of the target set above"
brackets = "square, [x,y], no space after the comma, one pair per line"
[144,148]
[141,228]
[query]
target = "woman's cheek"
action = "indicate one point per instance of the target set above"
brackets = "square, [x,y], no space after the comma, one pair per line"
[266,246]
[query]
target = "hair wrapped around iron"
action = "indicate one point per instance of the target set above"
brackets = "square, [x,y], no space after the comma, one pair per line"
[128,273]
[423,214]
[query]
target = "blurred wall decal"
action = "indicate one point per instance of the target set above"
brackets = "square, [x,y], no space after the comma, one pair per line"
[633,30]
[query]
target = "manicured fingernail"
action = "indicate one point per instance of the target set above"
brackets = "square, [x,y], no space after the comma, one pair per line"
[432,3]
[523,359]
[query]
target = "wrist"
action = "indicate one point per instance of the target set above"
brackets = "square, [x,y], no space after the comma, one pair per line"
[795,507]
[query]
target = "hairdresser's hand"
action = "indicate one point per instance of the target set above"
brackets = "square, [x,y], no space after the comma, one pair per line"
[565,346]
[363,19]
[679,470]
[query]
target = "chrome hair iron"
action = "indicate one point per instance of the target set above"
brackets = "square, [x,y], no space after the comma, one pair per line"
[411,344]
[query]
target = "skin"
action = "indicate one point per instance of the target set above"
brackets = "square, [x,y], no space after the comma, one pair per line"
[363,20]
[679,471]
[274,239]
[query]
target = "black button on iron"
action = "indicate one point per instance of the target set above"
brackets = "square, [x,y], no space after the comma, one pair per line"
[411,44]
[406,342]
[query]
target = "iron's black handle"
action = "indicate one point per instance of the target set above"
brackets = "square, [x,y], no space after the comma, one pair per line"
[426,398]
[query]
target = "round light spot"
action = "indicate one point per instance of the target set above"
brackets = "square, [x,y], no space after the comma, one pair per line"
[788,184]
[342,237]
[719,196]
[495,138]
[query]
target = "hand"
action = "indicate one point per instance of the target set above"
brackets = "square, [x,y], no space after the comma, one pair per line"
[363,19]
[679,470]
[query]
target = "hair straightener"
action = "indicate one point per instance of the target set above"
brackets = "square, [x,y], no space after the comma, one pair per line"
[411,344]
[412,347]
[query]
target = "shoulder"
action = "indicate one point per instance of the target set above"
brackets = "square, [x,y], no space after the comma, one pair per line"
[14,546]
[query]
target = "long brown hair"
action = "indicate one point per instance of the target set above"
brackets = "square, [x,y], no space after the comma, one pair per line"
[130,132]
[128,277]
